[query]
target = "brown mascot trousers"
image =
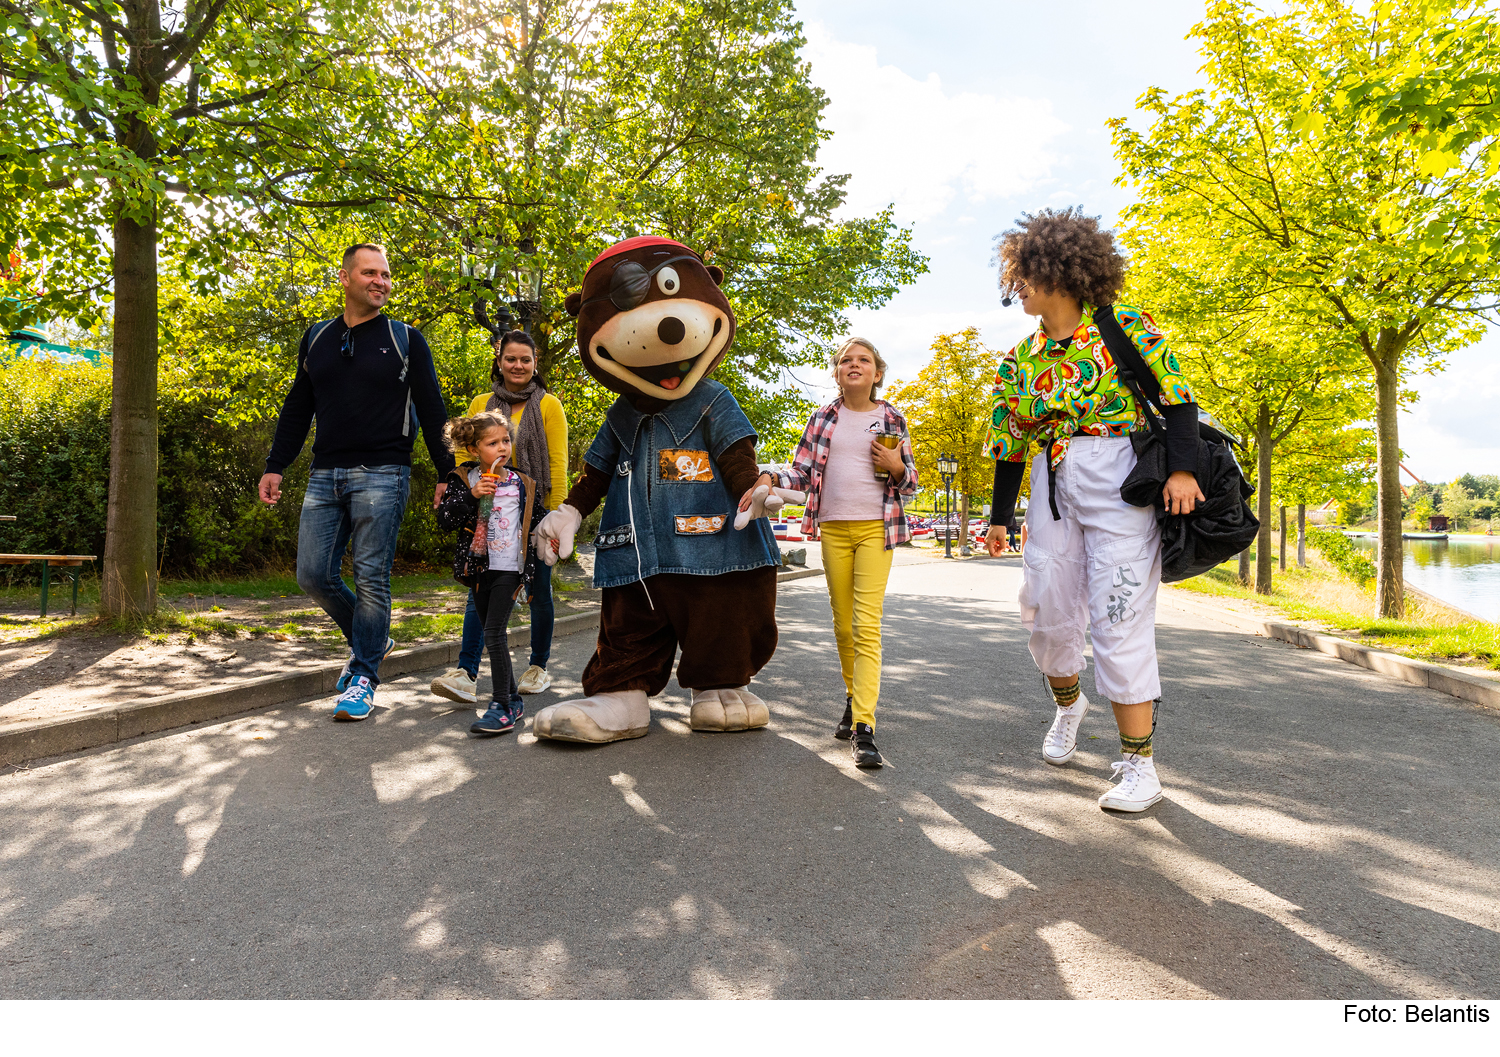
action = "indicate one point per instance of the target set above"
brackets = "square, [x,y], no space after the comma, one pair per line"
[725,624]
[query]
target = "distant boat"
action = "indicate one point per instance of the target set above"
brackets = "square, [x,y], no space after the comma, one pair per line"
[1424,535]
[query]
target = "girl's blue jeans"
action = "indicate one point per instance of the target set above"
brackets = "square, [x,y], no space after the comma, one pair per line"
[543,615]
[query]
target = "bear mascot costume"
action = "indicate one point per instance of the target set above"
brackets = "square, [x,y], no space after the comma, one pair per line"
[670,463]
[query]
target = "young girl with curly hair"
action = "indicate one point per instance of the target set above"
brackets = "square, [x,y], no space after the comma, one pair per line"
[494,508]
[1091,559]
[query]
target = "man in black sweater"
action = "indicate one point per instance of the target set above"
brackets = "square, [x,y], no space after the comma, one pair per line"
[368,381]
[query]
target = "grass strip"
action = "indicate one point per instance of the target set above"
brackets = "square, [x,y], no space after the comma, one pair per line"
[1322,595]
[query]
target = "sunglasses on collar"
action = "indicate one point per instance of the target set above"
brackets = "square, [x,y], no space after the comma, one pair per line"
[631,284]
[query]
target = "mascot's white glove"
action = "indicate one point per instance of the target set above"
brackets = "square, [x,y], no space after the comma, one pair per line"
[764,502]
[554,535]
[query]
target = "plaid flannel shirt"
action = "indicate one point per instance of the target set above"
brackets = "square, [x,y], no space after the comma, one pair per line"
[805,474]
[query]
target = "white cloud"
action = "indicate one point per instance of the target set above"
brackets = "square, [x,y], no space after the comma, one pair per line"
[1447,432]
[912,143]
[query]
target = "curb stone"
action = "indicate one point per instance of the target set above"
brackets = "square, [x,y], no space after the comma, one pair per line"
[92,728]
[1472,688]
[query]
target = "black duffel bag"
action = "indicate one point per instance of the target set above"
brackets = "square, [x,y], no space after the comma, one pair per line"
[1222,525]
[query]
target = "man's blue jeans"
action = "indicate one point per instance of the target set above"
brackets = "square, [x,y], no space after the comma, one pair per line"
[363,506]
[543,615]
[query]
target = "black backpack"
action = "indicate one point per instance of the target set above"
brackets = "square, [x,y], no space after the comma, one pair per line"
[1223,524]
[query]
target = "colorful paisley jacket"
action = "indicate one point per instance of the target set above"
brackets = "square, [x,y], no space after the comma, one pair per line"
[1048,393]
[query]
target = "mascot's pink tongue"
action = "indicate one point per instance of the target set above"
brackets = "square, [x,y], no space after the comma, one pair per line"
[670,383]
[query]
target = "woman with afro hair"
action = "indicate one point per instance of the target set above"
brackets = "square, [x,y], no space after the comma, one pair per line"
[1091,558]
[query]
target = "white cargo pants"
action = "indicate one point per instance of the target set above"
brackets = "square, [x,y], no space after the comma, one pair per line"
[1099,566]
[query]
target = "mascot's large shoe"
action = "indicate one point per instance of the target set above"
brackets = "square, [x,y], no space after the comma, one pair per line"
[596,720]
[728,710]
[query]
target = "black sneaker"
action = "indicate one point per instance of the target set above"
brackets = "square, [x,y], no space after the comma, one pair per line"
[865,752]
[845,730]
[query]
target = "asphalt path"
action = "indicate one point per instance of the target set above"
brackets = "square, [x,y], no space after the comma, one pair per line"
[1326,833]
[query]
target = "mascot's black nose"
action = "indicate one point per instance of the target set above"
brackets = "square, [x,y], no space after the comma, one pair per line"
[670,330]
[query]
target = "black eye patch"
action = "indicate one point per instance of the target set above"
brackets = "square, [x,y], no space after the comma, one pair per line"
[630,284]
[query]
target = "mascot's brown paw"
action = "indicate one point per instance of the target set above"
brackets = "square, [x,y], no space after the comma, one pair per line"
[596,720]
[728,710]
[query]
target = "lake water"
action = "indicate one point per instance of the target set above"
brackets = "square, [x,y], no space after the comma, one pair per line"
[1464,572]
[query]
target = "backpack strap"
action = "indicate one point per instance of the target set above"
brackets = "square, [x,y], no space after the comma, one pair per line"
[1130,366]
[401,341]
[315,332]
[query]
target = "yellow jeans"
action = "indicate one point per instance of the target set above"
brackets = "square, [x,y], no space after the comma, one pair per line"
[857,566]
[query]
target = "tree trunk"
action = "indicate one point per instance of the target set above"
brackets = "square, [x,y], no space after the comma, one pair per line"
[1245,567]
[963,515]
[1263,443]
[1302,535]
[1282,544]
[129,587]
[1390,588]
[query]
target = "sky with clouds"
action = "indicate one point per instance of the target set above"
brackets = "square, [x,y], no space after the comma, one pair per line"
[964,114]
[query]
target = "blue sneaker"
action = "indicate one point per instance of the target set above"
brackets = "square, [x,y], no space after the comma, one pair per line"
[343,681]
[356,702]
[498,719]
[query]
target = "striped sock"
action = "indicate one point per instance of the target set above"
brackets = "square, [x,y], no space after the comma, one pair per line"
[1066,696]
[1136,746]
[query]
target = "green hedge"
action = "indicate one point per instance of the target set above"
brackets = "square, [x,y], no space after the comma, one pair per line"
[54,473]
[1345,556]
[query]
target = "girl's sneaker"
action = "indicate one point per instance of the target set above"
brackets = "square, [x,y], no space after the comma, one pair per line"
[499,718]
[866,755]
[845,730]
[356,701]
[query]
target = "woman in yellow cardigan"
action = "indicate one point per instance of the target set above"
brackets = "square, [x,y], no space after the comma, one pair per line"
[540,451]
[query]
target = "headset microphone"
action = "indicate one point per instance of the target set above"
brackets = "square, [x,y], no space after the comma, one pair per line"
[1007,301]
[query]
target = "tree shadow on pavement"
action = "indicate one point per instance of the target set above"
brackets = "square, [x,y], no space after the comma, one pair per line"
[1322,836]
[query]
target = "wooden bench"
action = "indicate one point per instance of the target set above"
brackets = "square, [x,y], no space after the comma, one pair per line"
[49,562]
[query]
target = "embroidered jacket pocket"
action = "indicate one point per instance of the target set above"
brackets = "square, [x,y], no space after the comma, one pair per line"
[685,464]
[608,539]
[700,524]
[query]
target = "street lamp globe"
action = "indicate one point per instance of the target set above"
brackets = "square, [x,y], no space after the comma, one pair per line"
[526,275]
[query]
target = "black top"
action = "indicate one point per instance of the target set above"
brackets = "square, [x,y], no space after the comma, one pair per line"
[360,401]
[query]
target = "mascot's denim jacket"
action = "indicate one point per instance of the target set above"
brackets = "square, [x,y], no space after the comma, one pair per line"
[668,509]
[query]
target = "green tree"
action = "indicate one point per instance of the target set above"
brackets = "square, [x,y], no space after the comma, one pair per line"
[947,410]
[1294,185]
[135,128]
[1483,485]
[1290,400]
[1458,504]
[694,119]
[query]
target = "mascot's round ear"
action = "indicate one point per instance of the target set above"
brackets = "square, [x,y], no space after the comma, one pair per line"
[716,274]
[574,303]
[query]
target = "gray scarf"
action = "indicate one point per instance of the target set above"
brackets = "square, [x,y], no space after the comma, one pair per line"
[530,456]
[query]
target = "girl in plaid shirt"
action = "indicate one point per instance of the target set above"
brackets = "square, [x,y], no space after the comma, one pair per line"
[855,464]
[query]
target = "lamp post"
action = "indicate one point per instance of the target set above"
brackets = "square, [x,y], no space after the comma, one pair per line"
[484,274]
[523,295]
[948,467]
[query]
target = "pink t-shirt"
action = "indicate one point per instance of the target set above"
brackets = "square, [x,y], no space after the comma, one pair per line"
[851,491]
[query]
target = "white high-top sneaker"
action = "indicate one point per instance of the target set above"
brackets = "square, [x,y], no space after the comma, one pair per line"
[1062,737]
[1138,788]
